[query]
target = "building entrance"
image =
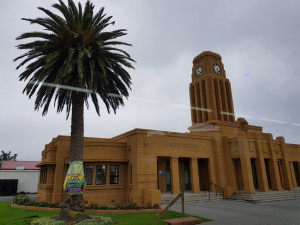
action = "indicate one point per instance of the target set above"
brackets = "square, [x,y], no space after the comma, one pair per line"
[238,174]
[267,164]
[203,174]
[297,175]
[163,174]
[254,173]
[185,173]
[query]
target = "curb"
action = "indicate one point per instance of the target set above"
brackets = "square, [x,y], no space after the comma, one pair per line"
[88,210]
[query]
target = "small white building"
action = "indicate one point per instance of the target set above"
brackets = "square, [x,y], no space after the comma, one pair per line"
[25,172]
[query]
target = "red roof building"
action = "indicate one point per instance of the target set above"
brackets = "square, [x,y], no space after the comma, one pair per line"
[20,165]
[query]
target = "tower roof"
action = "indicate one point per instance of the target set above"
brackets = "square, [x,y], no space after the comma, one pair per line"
[207,53]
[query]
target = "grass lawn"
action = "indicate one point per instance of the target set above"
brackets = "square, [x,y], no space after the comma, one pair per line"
[12,216]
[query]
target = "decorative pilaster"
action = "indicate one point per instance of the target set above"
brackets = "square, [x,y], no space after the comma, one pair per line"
[261,168]
[175,175]
[287,178]
[194,175]
[245,163]
[275,177]
[57,193]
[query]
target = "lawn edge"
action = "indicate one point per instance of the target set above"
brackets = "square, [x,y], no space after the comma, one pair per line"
[88,210]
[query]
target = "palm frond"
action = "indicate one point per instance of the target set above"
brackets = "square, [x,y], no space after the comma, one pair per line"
[74,54]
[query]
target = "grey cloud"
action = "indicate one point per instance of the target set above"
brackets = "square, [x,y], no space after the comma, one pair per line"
[261,38]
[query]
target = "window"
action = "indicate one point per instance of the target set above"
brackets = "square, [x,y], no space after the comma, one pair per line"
[88,173]
[114,174]
[100,174]
[43,175]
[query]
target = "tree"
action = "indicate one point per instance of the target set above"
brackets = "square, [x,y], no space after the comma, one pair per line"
[72,61]
[7,156]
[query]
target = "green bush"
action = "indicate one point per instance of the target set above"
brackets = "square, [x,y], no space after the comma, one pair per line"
[93,221]
[132,205]
[150,206]
[41,204]
[21,199]
[103,207]
[128,206]
[47,221]
[56,205]
[156,206]
[97,221]
[93,206]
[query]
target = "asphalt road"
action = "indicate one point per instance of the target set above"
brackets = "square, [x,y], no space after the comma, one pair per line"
[229,212]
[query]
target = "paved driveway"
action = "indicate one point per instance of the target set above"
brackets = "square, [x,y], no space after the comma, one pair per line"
[240,213]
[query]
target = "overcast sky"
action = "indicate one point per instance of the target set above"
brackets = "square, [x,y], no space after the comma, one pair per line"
[259,42]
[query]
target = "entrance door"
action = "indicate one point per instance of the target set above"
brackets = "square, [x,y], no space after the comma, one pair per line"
[267,164]
[163,174]
[238,174]
[185,173]
[297,175]
[203,174]
[254,173]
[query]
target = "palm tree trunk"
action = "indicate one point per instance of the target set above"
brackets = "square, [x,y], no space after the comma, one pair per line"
[77,127]
[75,202]
[77,136]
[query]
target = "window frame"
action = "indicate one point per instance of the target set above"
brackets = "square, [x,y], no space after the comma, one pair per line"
[114,175]
[92,177]
[105,173]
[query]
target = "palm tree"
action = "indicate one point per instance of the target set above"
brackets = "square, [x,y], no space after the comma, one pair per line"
[73,60]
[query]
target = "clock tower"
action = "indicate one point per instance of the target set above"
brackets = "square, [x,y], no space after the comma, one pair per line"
[210,90]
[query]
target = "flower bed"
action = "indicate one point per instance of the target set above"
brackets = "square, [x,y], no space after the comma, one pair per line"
[22,201]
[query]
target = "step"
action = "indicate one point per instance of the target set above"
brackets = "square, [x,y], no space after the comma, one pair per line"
[192,197]
[266,196]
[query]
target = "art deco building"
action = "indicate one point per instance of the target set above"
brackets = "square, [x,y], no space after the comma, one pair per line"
[141,164]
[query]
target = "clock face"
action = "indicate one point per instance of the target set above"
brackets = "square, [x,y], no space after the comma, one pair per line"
[199,71]
[217,69]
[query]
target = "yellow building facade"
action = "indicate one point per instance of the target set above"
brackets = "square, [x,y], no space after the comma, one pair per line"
[218,151]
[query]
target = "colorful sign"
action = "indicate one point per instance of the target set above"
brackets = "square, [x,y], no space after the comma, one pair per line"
[74,182]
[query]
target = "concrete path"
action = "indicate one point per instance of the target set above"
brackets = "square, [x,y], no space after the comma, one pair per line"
[229,212]
[10,198]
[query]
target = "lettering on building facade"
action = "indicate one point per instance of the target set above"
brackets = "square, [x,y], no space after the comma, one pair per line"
[182,145]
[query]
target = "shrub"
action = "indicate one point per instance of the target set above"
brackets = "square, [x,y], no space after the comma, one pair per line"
[93,206]
[97,221]
[118,206]
[150,206]
[47,221]
[56,205]
[132,205]
[94,221]
[24,200]
[156,206]
[103,207]
[21,199]
[29,203]
[96,206]
[41,204]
